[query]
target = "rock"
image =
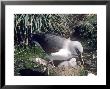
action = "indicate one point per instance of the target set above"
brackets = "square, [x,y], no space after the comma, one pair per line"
[41,61]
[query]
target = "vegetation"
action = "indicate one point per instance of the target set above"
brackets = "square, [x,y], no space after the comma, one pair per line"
[82,27]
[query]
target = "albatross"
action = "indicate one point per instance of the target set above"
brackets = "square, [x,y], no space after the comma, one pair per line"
[58,48]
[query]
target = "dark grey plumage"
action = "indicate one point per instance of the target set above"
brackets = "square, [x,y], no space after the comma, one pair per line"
[50,43]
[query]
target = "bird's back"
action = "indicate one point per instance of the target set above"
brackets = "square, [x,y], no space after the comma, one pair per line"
[50,43]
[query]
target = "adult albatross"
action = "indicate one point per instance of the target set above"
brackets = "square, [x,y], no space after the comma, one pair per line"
[57,47]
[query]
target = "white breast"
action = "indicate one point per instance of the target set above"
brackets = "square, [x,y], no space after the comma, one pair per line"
[62,54]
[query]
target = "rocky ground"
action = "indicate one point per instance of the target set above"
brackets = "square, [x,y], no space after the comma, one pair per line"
[24,61]
[90,61]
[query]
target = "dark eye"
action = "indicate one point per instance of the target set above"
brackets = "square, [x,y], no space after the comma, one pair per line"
[77,51]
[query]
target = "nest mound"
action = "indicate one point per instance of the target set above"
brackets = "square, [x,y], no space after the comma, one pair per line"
[65,71]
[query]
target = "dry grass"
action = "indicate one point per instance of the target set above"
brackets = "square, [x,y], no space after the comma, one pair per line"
[65,71]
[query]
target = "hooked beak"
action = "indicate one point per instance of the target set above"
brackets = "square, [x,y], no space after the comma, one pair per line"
[82,61]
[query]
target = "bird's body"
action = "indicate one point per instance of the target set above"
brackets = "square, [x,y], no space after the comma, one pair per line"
[57,47]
